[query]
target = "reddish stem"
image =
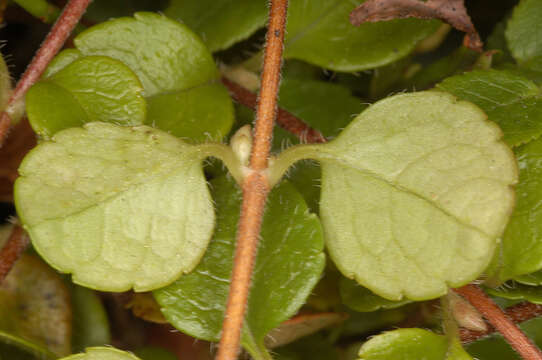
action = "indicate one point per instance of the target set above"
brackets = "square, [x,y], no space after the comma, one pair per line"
[11,251]
[517,313]
[54,41]
[286,120]
[255,186]
[496,317]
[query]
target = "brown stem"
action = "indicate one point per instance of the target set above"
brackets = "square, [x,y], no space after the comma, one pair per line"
[255,186]
[54,41]
[496,317]
[285,120]
[11,251]
[517,313]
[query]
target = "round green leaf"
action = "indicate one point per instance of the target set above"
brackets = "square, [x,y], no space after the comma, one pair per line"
[117,207]
[289,263]
[411,344]
[362,299]
[318,31]
[165,55]
[174,66]
[102,353]
[94,88]
[512,101]
[220,23]
[415,193]
[524,30]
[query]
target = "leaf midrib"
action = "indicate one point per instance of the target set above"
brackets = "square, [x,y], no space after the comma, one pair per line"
[397,187]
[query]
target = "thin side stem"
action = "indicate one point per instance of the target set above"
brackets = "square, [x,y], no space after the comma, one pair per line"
[255,186]
[496,317]
[517,313]
[285,120]
[11,251]
[54,41]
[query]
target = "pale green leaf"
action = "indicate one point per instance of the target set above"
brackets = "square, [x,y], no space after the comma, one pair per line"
[411,344]
[362,299]
[319,32]
[290,261]
[524,30]
[35,307]
[117,207]
[220,23]
[102,353]
[512,101]
[429,193]
[94,88]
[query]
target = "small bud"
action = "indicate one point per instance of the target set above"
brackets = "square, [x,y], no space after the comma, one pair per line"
[241,144]
[465,314]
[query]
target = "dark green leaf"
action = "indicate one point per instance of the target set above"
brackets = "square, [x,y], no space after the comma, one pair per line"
[509,100]
[524,30]
[154,353]
[289,263]
[12,347]
[362,299]
[459,60]
[314,347]
[521,246]
[319,32]
[533,279]
[495,347]
[514,291]
[93,88]
[220,23]
[174,66]
[186,113]
[90,323]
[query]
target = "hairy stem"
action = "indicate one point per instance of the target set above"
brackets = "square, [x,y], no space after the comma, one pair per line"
[255,186]
[54,41]
[285,120]
[14,247]
[496,317]
[517,313]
